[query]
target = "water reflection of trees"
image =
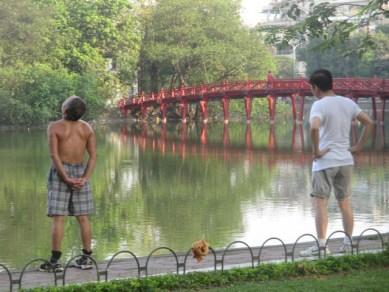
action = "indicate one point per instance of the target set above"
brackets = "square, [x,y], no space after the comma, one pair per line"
[285,174]
[24,226]
[190,199]
[149,193]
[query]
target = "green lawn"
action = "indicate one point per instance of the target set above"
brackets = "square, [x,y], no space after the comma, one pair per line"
[372,280]
[364,272]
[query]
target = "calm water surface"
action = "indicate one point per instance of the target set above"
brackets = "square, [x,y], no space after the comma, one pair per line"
[169,186]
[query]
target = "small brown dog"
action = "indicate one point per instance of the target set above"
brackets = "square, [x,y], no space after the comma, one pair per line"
[200,249]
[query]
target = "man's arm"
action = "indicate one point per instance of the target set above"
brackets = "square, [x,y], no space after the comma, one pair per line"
[315,127]
[53,148]
[91,149]
[367,126]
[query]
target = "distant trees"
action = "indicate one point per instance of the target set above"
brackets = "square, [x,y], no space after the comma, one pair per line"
[324,20]
[374,61]
[52,49]
[187,42]
[344,36]
[98,49]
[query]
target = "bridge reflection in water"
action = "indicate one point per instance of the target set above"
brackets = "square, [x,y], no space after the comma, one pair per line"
[194,140]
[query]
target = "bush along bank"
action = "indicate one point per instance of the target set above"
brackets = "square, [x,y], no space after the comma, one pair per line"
[263,272]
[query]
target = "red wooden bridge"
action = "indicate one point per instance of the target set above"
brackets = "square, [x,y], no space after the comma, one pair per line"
[297,90]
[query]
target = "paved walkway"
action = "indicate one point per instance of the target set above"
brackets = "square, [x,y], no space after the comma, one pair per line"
[163,261]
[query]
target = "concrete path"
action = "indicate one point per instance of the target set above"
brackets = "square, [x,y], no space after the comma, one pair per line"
[163,261]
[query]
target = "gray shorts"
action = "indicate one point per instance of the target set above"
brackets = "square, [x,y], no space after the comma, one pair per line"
[338,177]
[62,200]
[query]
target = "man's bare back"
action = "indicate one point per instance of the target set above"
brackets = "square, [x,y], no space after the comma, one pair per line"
[71,139]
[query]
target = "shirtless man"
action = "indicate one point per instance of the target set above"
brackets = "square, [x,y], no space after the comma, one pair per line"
[69,192]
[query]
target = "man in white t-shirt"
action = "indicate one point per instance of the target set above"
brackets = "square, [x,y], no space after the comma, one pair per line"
[330,124]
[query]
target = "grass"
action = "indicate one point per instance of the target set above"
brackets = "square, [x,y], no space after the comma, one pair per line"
[372,280]
[365,272]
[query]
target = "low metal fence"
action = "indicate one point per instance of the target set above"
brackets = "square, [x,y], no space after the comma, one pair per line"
[221,259]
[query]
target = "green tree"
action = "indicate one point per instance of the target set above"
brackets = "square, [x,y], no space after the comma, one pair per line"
[191,42]
[98,34]
[321,20]
[284,67]
[374,61]
[50,49]
[24,28]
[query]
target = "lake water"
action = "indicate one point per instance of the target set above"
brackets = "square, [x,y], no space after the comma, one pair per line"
[169,186]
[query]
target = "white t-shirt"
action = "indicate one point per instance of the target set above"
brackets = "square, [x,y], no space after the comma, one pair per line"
[336,114]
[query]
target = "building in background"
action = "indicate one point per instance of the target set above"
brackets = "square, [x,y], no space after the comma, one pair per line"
[276,16]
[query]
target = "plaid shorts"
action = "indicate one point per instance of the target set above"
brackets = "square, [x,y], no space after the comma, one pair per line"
[62,200]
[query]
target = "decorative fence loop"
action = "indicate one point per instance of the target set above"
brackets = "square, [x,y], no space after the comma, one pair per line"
[234,242]
[31,262]
[160,248]
[267,240]
[305,235]
[70,264]
[9,276]
[335,232]
[18,281]
[190,252]
[376,231]
[119,253]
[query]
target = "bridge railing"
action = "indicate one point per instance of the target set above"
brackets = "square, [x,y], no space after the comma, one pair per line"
[376,85]
[371,86]
[164,260]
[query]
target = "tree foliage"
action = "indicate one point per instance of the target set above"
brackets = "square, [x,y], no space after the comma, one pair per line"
[52,49]
[374,62]
[98,49]
[324,20]
[189,42]
[97,34]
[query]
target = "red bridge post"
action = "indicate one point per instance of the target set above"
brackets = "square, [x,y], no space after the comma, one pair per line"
[272,107]
[162,142]
[226,135]
[247,107]
[183,140]
[272,144]
[248,137]
[203,110]
[203,135]
[301,113]
[225,105]
[294,111]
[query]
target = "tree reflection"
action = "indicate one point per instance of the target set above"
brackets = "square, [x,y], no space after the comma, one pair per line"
[173,184]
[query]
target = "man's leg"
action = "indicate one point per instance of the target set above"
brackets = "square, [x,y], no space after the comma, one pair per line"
[86,236]
[57,232]
[347,215]
[86,232]
[321,218]
[342,186]
[321,221]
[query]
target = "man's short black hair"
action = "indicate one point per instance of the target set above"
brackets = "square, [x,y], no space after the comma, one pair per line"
[321,78]
[76,108]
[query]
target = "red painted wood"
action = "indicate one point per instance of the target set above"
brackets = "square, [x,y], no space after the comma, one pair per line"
[355,87]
